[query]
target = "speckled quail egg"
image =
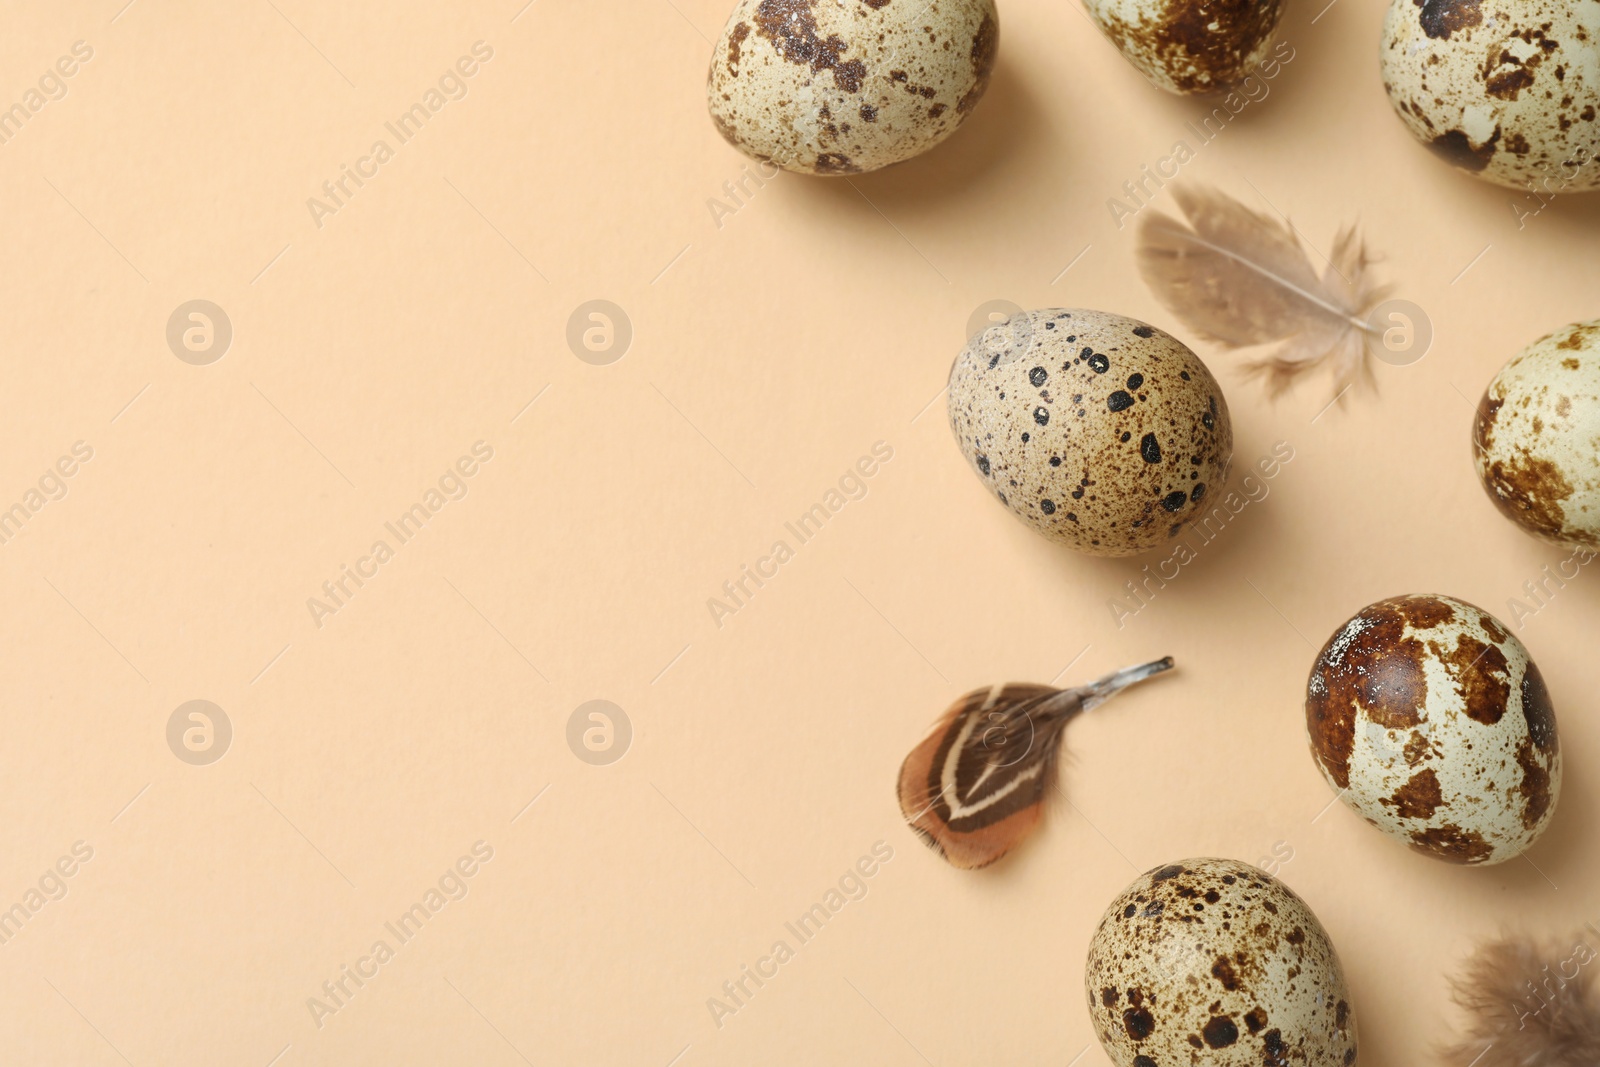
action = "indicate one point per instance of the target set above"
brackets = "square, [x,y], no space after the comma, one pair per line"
[1508,90]
[844,86]
[1191,46]
[1215,962]
[1433,724]
[1536,440]
[1097,430]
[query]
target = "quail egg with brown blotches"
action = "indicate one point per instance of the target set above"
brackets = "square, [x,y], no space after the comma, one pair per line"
[1536,440]
[1432,723]
[1191,46]
[1506,90]
[1212,961]
[845,86]
[1097,430]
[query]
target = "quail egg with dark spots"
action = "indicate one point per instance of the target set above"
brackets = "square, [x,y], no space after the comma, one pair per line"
[1506,90]
[1212,961]
[1536,440]
[1097,430]
[1192,46]
[845,86]
[1432,723]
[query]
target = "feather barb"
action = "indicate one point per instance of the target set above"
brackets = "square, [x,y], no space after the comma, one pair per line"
[975,787]
[1242,279]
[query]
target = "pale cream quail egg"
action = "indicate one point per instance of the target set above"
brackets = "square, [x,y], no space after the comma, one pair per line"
[1432,723]
[844,86]
[1507,90]
[1536,440]
[1212,961]
[1097,430]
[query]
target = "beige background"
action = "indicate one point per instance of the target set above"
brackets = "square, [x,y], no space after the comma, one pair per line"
[768,354]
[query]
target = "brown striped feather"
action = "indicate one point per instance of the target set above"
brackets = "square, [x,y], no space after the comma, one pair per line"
[975,786]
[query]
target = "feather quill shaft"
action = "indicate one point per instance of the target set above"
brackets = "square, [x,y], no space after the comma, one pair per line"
[1242,279]
[975,786]
[1177,232]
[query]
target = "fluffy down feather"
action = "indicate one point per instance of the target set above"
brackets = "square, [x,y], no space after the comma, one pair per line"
[1530,1002]
[1242,279]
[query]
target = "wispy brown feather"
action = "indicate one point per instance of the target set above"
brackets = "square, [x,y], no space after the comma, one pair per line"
[975,786]
[1531,1003]
[1241,279]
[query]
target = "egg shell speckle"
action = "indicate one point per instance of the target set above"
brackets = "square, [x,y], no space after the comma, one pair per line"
[1433,724]
[1508,90]
[1536,439]
[844,86]
[1212,961]
[1099,431]
[1190,46]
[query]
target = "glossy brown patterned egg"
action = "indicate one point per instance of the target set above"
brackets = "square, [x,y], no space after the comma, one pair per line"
[1212,961]
[1428,718]
[1097,430]
[1191,46]
[1536,440]
[1506,90]
[844,86]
